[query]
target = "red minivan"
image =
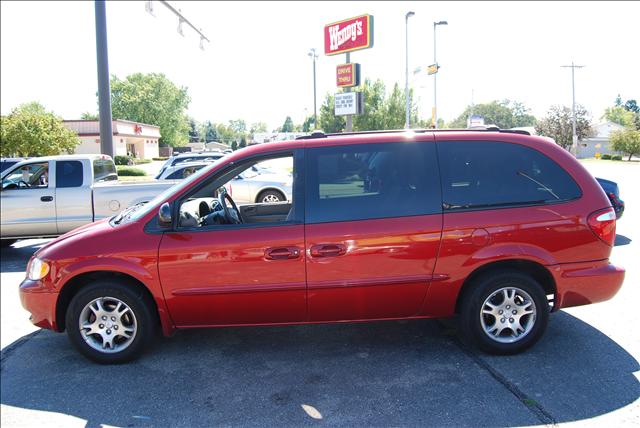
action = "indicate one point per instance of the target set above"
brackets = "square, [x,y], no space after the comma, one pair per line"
[498,227]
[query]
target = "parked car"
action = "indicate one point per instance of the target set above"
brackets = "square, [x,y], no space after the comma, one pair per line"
[613,193]
[190,157]
[49,196]
[497,227]
[261,185]
[256,184]
[180,170]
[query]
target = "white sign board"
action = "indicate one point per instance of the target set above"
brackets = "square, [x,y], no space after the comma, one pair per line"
[346,103]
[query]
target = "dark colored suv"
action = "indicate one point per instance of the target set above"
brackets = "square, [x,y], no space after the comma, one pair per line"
[498,227]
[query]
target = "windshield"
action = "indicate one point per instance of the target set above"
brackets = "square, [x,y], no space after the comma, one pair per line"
[141,210]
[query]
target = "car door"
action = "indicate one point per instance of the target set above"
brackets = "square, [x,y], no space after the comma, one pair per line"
[27,198]
[235,274]
[373,226]
[74,207]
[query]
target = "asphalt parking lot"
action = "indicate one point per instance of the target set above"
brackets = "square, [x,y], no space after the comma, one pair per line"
[408,373]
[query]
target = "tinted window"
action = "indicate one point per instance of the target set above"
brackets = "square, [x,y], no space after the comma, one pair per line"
[68,174]
[371,181]
[479,174]
[6,164]
[104,170]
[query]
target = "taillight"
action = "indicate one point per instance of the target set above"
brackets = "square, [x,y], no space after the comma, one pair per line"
[603,225]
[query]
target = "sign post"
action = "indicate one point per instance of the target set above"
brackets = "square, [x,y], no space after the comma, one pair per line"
[344,37]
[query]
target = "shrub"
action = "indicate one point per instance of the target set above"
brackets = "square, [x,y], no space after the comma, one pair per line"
[616,157]
[125,171]
[121,160]
[606,157]
[160,158]
[140,161]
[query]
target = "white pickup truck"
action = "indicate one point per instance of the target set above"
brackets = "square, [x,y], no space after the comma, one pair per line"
[49,196]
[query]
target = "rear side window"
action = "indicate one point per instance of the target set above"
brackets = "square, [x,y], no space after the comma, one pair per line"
[481,174]
[371,181]
[68,174]
[104,170]
[183,172]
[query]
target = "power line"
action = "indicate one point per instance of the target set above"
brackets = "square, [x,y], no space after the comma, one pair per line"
[181,20]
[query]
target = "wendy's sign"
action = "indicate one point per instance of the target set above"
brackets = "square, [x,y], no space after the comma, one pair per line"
[349,35]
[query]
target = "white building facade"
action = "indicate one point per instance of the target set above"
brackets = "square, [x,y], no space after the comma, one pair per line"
[139,140]
[599,143]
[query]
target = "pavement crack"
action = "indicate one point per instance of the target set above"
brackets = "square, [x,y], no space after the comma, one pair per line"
[536,408]
[9,350]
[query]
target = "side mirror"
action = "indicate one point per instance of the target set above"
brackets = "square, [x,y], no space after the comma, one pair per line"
[164,215]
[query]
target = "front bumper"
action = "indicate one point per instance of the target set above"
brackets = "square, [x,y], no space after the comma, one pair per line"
[41,302]
[585,283]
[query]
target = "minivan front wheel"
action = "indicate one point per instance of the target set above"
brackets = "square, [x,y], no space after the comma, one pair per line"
[505,312]
[109,322]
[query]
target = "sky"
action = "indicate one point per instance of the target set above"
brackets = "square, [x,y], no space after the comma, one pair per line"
[257,67]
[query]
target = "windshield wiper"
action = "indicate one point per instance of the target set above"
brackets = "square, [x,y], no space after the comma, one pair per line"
[126,213]
[538,183]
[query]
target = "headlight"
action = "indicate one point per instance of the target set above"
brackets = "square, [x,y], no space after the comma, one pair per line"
[38,269]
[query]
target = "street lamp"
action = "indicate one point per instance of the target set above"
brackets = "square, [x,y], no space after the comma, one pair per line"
[312,53]
[407,124]
[435,75]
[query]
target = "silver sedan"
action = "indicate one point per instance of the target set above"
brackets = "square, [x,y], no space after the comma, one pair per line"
[257,185]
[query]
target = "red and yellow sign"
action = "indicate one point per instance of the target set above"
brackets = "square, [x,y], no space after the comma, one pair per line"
[348,75]
[349,35]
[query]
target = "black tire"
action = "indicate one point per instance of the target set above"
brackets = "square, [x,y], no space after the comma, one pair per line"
[270,193]
[471,318]
[7,242]
[138,302]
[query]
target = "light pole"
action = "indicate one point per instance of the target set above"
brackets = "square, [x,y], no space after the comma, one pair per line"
[574,140]
[314,56]
[435,75]
[407,123]
[104,86]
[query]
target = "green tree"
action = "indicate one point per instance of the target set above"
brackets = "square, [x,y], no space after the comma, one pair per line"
[208,132]
[258,127]
[558,125]
[30,130]
[626,141]
[632,105]
[620,115]
[309,124]
[225,133]
[243,143]
[194,132]
[505,114]
[89,116]
[153,99]
[287,126]
[239,127]
[380,111]
[234,146]
[327,119]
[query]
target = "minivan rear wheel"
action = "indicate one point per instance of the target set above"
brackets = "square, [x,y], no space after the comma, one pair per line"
[110,322]
[504,313]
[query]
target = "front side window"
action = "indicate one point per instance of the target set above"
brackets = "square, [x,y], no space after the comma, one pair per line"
[226,200]
[371,181]
[482,174]
[30,176]
[68,174]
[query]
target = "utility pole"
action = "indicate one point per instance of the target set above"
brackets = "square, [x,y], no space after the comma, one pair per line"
[348,119]
[435,76]
[314,56]
[104,86]
[407,121]
[574,144]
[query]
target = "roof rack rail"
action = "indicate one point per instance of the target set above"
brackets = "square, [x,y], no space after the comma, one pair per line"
[320,134]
